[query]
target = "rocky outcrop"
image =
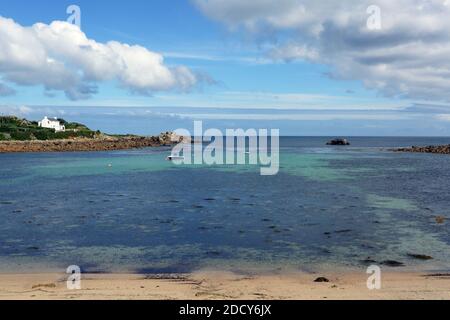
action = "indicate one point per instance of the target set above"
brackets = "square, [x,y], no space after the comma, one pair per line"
[103,143]
[171,138]
[322,279]
[445,149]
[420,256]
[338,142]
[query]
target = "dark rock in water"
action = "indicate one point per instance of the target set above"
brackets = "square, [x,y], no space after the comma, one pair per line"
[321,279]
[440,219]
[420,256]
[393,263]
[166,221]
[213,253]
[338,232]
[338,142]
[368,260]
[445,149]
[343,231]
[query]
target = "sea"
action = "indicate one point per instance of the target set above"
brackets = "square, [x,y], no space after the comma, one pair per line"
[328,208]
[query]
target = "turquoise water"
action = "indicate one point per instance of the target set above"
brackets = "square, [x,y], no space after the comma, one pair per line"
[132,211]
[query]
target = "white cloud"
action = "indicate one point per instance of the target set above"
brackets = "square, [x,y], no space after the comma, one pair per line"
[408,57]
[60,57]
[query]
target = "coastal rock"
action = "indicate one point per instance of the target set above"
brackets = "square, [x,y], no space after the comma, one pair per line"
[343,231]
[393,263]
[444,149]
[420,256]
[168,138]
[338,142]
[368,260]
[440,219]
[321,279]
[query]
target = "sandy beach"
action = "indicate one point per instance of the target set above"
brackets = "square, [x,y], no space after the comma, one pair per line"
[208,285]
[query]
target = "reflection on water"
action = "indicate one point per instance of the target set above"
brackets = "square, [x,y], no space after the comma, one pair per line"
[133,211]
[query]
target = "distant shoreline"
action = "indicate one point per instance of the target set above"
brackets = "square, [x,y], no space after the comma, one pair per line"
[105,143]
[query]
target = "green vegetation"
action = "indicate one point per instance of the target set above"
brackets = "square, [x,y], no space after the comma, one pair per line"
[15,129]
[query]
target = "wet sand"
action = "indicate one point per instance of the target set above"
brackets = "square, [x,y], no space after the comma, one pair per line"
[207,285]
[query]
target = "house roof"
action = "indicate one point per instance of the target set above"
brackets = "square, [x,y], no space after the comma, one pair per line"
[52,120]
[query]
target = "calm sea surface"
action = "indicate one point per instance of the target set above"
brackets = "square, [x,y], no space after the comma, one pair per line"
[329,207]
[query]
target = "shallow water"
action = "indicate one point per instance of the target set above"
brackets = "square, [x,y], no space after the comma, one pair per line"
[329,207]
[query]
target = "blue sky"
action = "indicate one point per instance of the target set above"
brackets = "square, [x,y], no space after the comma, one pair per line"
[238,80]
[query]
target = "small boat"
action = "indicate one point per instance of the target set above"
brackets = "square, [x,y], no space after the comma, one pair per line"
[172,158]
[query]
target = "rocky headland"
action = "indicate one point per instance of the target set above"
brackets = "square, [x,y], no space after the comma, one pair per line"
[22,135]
[100,143]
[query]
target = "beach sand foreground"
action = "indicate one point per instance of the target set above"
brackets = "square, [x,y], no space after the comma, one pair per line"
[224,286]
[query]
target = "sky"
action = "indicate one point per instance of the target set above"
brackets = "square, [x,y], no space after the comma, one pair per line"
[305,67]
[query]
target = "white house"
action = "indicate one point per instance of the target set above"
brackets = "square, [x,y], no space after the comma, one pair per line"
[52,124]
